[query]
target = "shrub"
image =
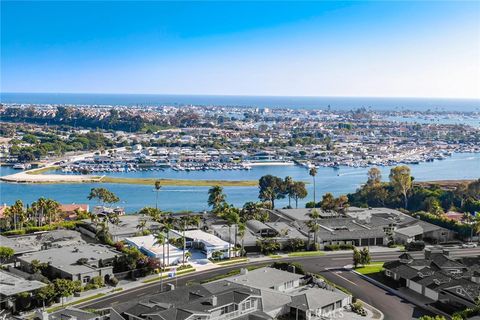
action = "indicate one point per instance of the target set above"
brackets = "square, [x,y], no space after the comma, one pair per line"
[113,281]
[335,247]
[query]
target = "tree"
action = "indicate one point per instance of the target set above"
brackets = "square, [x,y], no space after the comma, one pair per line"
[5,254]
[253,211]
[65,287]
[217,255]
[241,230]
[142,223]
[401,181]
[271,188]
[158,185]
[268,245]
[216,197]
[313,224]
[103,195]
[46,294]
[357,257]
[153,213]
[299,191]
[289,189]
[313,173]
[328,202]
[341,204]
[232,218]
[16,214]
[433,205]
[374,177]
[365,256]
[295,244]
[160,241]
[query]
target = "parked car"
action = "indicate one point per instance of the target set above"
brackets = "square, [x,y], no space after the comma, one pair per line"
[415,246]
[469,245]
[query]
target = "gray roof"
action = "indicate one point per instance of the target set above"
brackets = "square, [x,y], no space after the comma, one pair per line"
[256,225]
[301,214]
[264,277]
[127,226]
[316,298]
[72,313]
[65,258]
[410,231]
[11,284]
[38,241]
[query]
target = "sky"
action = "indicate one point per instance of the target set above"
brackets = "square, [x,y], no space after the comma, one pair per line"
[329,48]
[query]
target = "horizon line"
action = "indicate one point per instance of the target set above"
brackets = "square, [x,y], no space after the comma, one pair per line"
[248,95]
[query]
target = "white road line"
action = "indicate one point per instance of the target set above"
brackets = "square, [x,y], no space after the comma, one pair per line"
[343,278]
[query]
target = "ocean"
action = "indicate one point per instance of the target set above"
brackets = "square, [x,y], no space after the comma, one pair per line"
[336,103]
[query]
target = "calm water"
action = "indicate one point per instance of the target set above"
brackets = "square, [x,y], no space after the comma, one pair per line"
[134,197]
[256,101]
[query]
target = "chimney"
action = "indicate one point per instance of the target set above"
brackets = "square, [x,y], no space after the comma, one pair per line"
[170,287]
[213,300]
[243,271]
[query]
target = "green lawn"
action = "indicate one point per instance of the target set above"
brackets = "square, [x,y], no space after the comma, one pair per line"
[374,267]
[306,254]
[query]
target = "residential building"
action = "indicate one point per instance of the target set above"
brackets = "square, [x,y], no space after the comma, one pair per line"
[147,245]
[82,262]
[438,277]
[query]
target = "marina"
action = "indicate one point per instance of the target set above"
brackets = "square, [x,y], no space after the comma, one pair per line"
[176,198]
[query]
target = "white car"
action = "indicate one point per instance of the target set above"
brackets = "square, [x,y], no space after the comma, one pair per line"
[469,245]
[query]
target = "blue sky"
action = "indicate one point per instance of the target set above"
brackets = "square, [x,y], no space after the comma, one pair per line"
[385,48]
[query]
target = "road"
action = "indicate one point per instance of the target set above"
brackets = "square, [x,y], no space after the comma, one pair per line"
[393,307]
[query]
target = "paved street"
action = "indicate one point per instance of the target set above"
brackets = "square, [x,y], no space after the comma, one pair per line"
[392,306]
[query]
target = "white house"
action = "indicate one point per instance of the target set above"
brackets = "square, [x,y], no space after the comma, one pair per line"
[206,242]
[146,244]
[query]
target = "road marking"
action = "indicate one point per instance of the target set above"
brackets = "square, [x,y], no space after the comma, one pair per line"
[343,277]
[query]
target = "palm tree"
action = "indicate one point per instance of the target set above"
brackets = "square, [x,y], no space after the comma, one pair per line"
[167,226]
[216,197]
[289,189]
[233,219]
[241,232]
[160,241]
[142,223]
[313,173]
[52,208]
[313,224]
[157,190]
[40,207]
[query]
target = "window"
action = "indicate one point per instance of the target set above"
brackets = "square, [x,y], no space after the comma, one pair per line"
[86,279]
[288,284]
[224,310]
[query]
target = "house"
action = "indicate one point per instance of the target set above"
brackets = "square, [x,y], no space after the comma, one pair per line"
[69,211]
[438,277]
[147,245]
[82,262]
[128,226]
[264,293]
[13,285]
[408,234]
[207,243]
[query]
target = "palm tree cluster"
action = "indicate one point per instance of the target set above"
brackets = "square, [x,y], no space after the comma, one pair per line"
[42,212]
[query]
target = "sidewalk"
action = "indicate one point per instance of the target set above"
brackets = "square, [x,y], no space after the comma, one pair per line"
[199,266]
